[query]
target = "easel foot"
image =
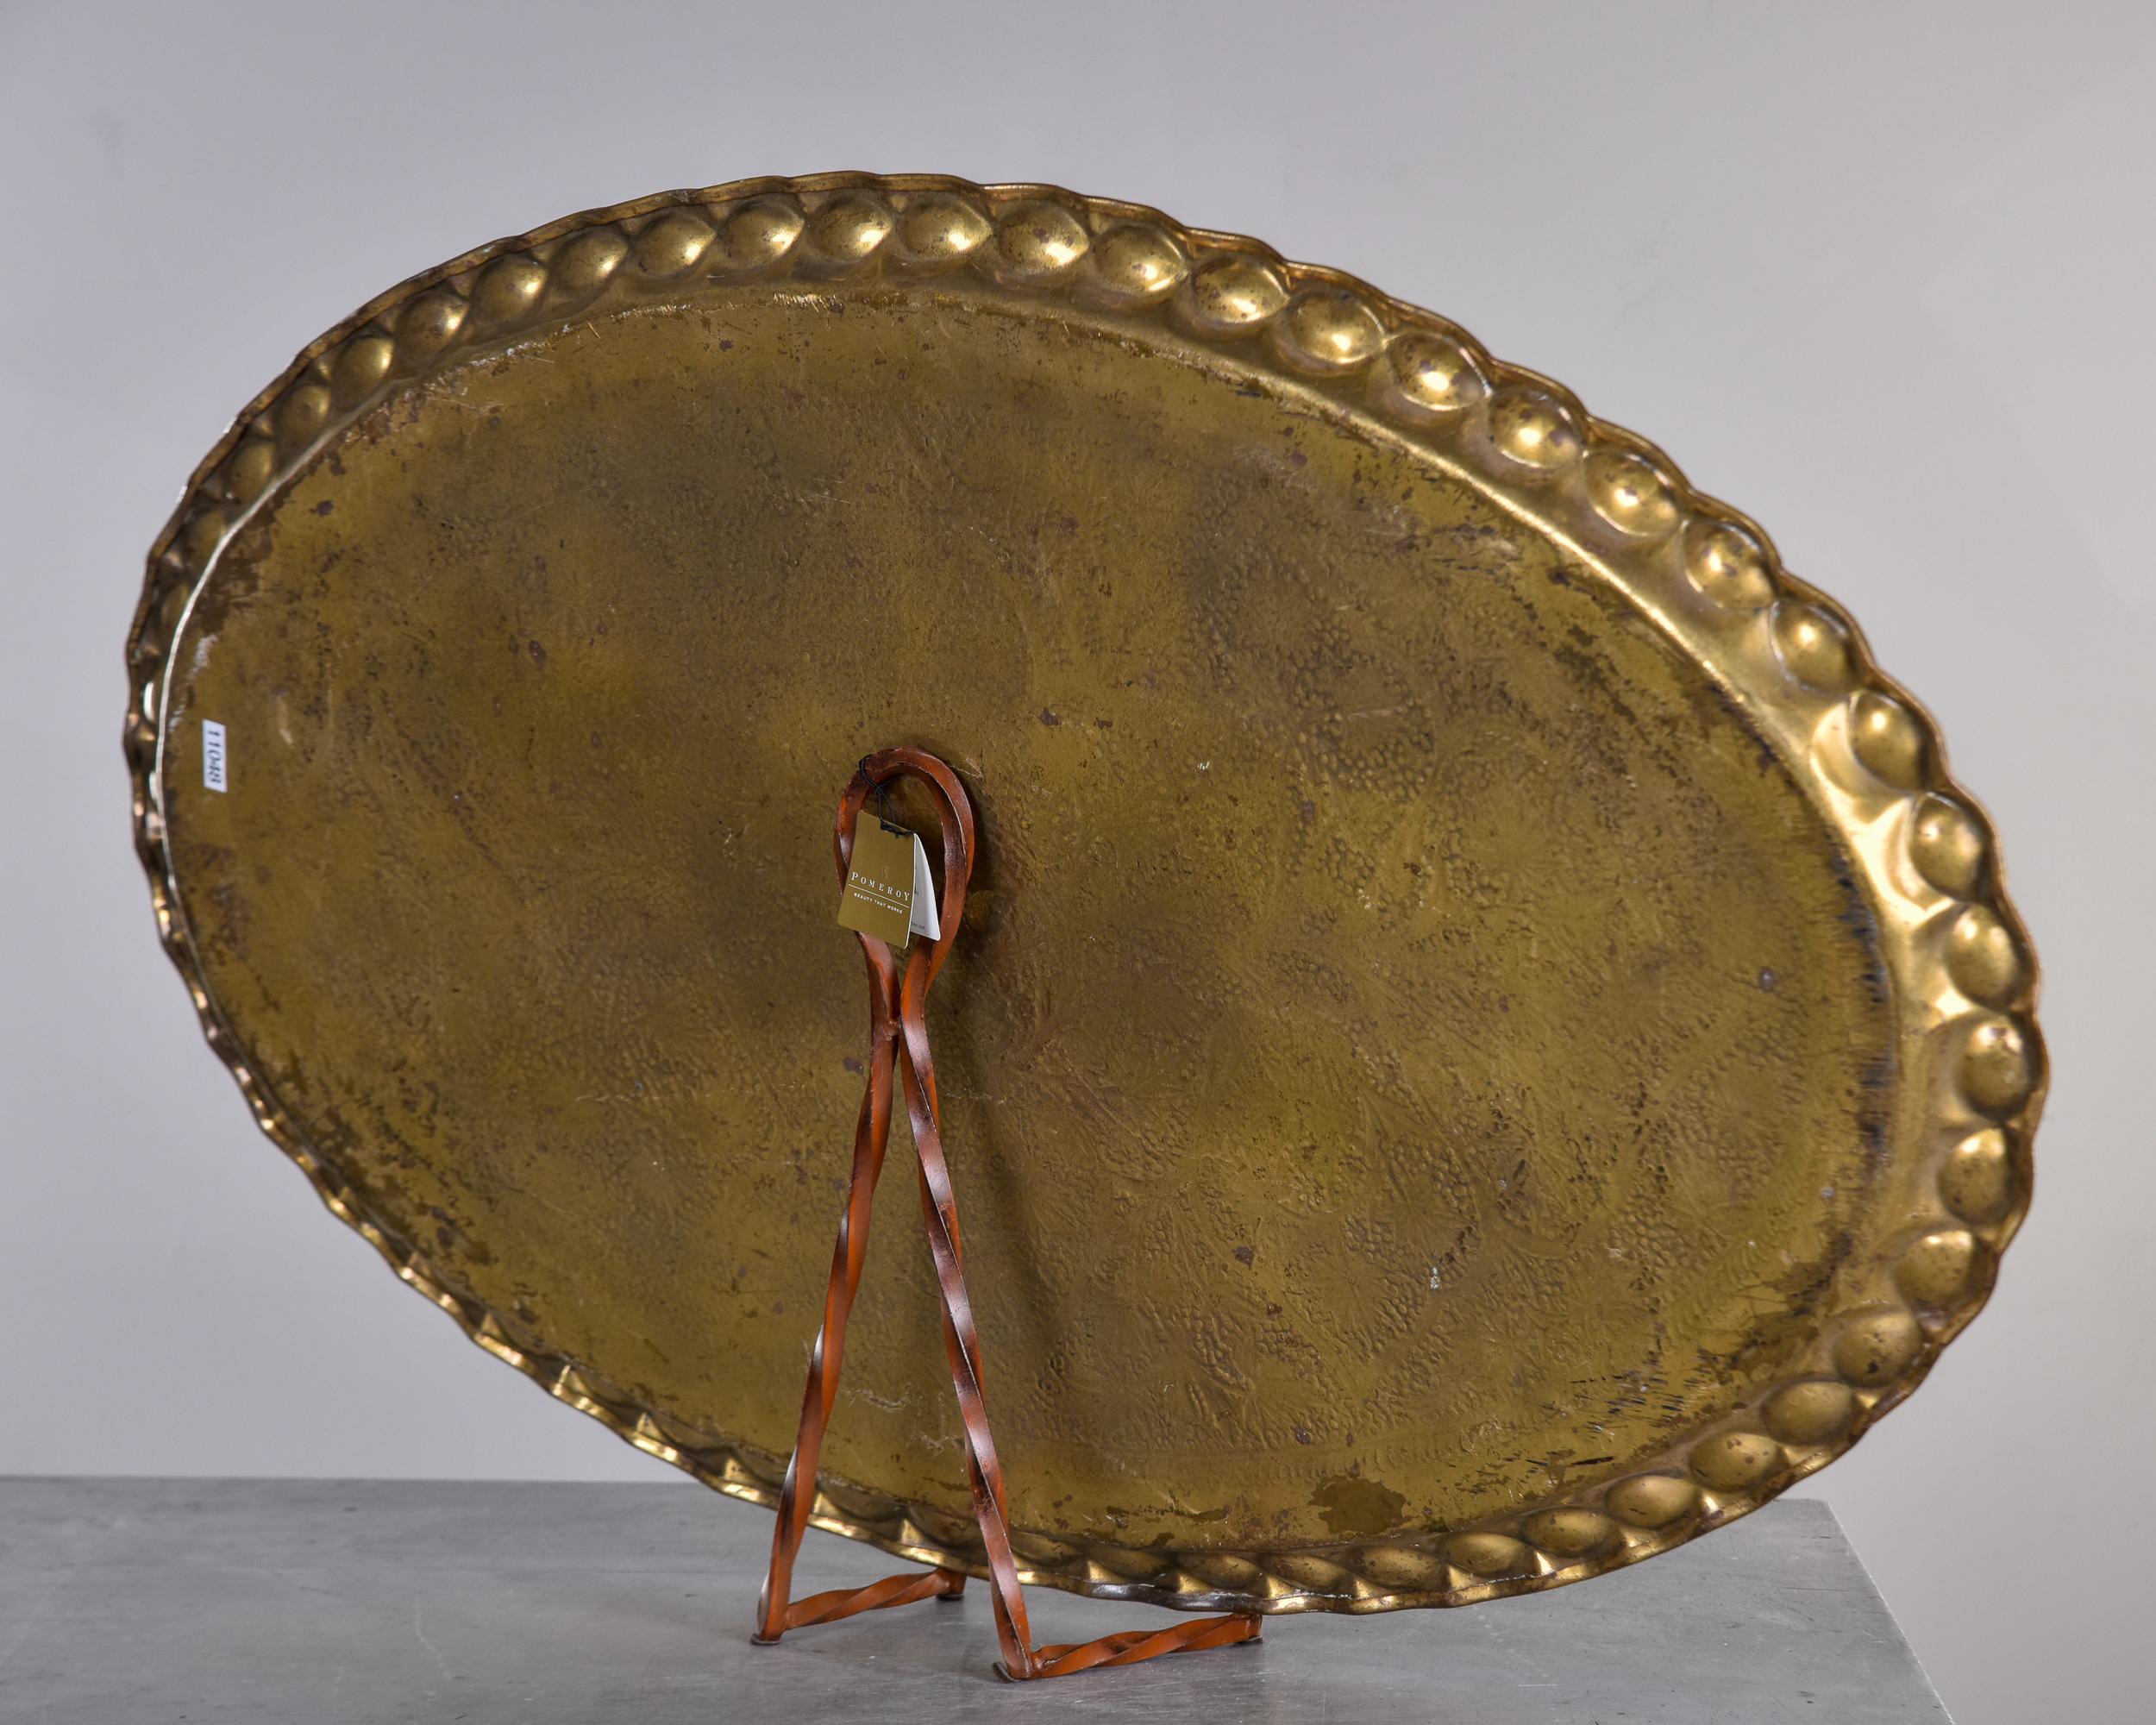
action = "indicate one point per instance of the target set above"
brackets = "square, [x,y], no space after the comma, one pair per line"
[1133,1646]
[848,1602]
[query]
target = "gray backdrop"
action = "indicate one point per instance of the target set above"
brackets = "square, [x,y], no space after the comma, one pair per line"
[1879,275]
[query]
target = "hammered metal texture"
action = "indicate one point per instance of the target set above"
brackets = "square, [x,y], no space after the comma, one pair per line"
[1491,828]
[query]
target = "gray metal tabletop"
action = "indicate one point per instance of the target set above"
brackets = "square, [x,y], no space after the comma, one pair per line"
[333,1602]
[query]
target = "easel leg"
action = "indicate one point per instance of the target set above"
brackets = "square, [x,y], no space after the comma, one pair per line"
[775,1612]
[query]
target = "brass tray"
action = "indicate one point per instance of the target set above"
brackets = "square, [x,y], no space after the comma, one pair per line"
[1487,1042]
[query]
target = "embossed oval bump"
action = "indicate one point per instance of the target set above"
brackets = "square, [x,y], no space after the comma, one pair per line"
[947,1527]
[588,261]
[1429,378]
[1231,294]
[1493,1557]
[848,230]
[852,1501]
[1998,1071]
[1402,1569]
[1814,646]
[1571,1534]
[249,470]
[301,415]
[427,325]
[1042,1549]
[939,230]
[1813,1411]
[672,244]
[204,534]
[1942,1269]
[1630,496]
[1310,1574]
[507,290]
[1876,1346]
[1736,1461]
[1728,565]
[1037,241]
[1532,433]
[1326,331]
[1983,958]
[758,236]
[360,366]
[1134,264]
[1653,1501]
[1947,845]
[1889,739]
[1224,1570]
[1132,1564]
[1977,1180]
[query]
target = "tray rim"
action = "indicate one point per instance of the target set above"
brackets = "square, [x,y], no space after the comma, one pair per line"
[1537,452]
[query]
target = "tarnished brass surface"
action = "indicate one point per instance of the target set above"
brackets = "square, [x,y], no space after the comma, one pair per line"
[1486,1041]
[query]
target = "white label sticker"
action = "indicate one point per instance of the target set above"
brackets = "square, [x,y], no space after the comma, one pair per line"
[927,919]
[213,767]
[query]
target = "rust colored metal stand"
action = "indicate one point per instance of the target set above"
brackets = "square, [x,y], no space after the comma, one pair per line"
[898,1051]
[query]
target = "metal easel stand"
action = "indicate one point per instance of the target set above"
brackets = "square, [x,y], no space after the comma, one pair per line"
[899,1050]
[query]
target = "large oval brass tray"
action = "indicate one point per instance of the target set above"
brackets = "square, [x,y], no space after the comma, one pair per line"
[1486,1044]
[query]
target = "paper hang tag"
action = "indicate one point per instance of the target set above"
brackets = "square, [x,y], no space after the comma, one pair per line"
[925,921]
[879,896]
[888,893]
